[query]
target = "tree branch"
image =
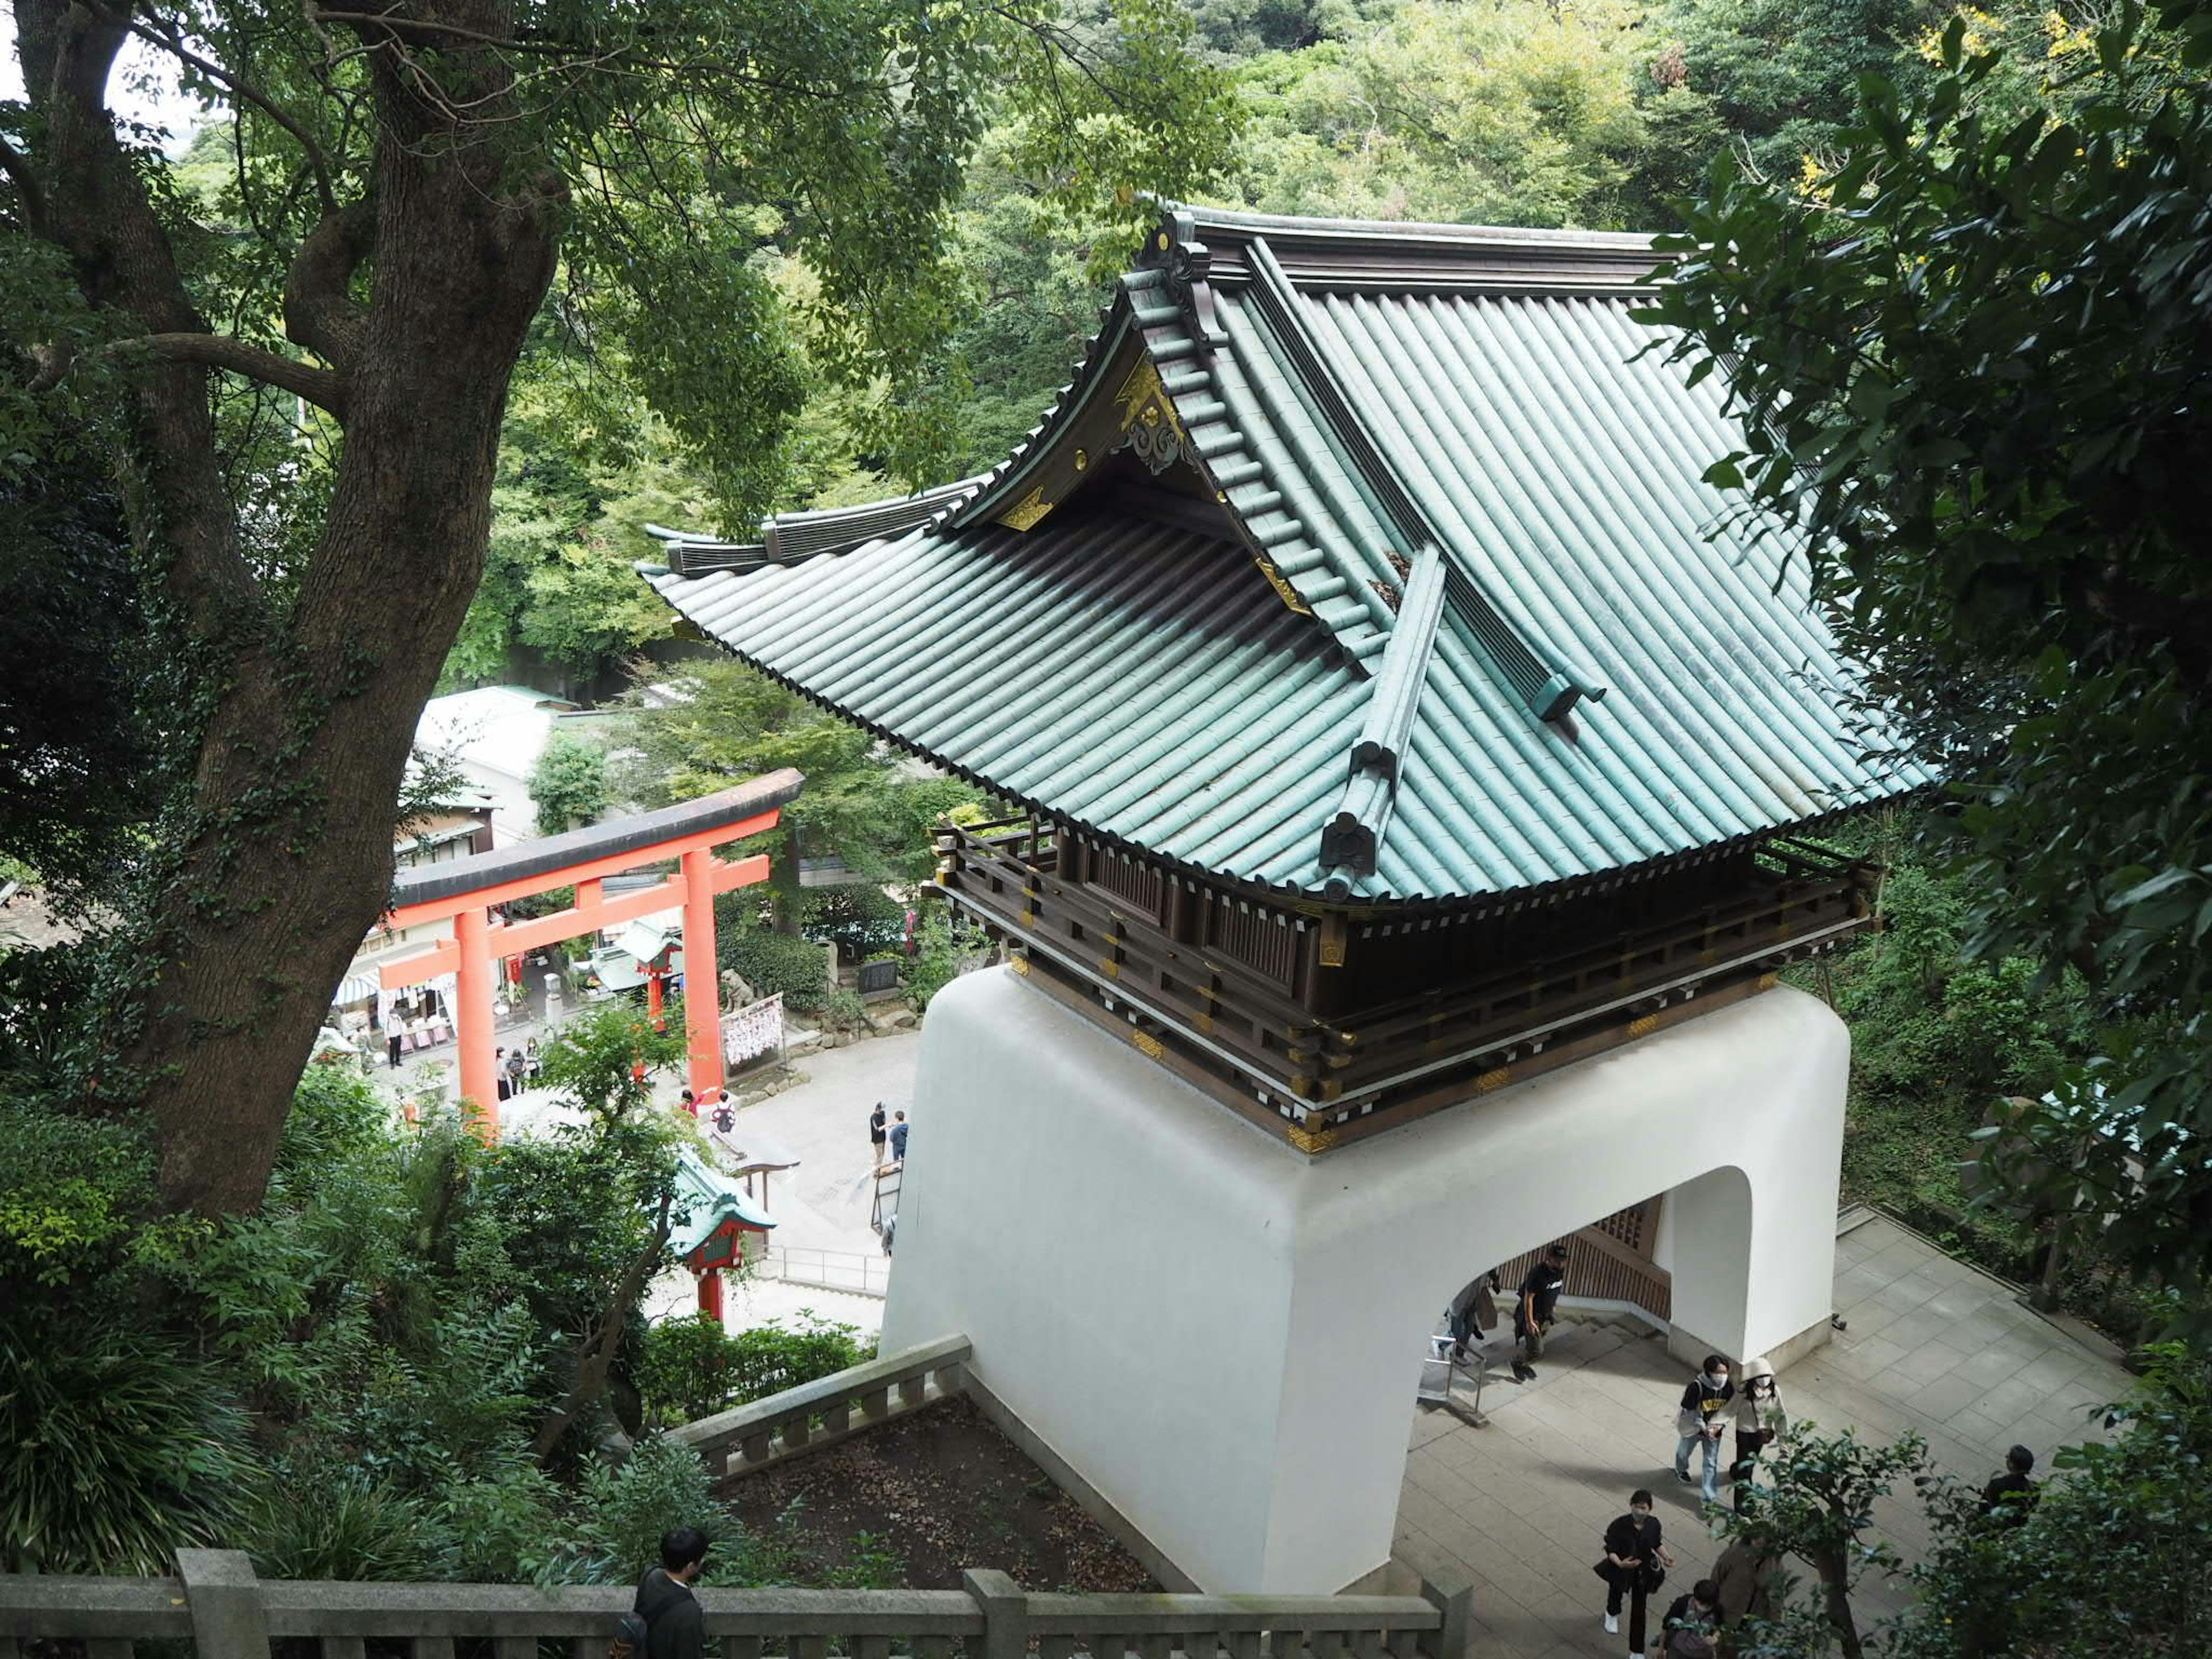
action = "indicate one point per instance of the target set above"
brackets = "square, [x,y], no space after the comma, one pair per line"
[17,166]
[319,313]
[597,1357]
[246,90]
[319,386]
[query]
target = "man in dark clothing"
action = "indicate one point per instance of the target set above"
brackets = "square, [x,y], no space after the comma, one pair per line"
[675,1627]
[2013,1493]
[1687,1630]
[876,1131]
[1533,1309]
[898,1136]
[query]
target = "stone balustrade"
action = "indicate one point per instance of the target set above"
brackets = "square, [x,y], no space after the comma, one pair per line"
[828,1409]
[218,1605]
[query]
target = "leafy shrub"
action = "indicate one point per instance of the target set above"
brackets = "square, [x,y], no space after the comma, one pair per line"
[116,1447]
[942,943]
[769,1358]
[858,918]
[688,1370]
[843,1010]
[336,1113]
[69,1190]
[772,962]
[692,1370]
[622,1513]
[338,1526]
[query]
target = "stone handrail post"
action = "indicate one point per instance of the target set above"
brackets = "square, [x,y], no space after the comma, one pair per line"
[1006,1611]
[224,1595]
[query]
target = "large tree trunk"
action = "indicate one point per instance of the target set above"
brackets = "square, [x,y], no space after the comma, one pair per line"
[283,860]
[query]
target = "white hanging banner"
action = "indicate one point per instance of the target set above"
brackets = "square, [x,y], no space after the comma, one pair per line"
[753,1031]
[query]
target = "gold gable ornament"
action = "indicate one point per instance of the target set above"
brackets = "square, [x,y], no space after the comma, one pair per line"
[1028,511]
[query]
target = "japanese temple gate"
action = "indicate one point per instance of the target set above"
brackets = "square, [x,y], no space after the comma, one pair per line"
[465,890]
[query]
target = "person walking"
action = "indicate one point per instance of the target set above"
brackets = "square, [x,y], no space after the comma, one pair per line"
[533,1062]
[1759,1422]
[1701,1421]
[876,1134]
[516,1066]
[2012,1497]
[1473,1312]
[394,1040]
[1635,1564]
[1744,1581]
[898,1136]
[1533,1307]
[675,1627]
[500,1074]
[1687,1632]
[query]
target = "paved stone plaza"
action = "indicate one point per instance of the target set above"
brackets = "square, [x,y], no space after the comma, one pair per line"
[1517,1508]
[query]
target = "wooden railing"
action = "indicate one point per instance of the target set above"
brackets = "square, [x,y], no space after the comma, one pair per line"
[1223,1027]
[217,1604]
[815,1414]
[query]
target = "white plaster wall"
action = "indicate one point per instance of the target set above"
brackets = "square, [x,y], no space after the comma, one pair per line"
[1223,1335]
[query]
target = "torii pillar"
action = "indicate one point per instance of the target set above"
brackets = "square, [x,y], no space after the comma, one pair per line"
[465,890]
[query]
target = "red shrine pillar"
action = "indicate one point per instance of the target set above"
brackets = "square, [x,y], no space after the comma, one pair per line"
[652,998]
[702,985]
[472,1015]
[710,1293]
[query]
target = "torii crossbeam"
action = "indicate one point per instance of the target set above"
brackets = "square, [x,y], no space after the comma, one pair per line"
[467,889]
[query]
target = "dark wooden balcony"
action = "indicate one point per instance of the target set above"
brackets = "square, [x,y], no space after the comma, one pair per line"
[1259,1003]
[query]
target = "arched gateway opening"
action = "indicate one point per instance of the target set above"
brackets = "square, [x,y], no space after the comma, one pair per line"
[1411,789]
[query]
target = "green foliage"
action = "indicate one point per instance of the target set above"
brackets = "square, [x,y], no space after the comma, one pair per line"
[858,918]
[622,1513]
[337,1527]
[116,1446]
[1970,355]
[692,1369]
[592,1060]
[944,941]
[772,962]
[717,723]
[1814,1500]
[2111,1562]
[568,783]
[1509,112]
[72,1192]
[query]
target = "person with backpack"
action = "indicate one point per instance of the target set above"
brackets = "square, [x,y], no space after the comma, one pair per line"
[666,1621]
[1701,1420]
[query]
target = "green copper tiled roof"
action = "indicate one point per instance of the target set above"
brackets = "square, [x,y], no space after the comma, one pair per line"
[1507,649]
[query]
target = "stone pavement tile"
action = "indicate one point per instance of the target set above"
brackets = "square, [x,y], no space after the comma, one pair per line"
[1864,1318]
[1990,1362]
[1428,1425]
[1865,1357]
[1921,1325]
[1946,1397]
[1929,1361]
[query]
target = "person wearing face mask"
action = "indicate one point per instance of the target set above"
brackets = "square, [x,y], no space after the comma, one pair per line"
[1759,1422]
[1702,1418]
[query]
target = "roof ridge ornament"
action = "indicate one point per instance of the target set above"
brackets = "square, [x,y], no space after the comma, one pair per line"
[1352,839]
[1549,688]
[1184,263]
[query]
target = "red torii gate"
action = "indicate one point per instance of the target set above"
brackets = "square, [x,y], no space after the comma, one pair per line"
[465,889]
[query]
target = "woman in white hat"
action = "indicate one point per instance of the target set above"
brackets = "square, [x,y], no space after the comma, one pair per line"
[1759,1422]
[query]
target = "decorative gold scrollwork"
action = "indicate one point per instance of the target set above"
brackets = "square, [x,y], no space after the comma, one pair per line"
[1027,511]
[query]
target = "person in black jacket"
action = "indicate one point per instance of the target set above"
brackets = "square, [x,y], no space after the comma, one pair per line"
[675,1627]
[2013,1492]
[1687,1632]
[1635,1564]
[1533,1306]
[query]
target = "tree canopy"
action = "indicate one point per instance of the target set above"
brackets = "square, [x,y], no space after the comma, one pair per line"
[299,368]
